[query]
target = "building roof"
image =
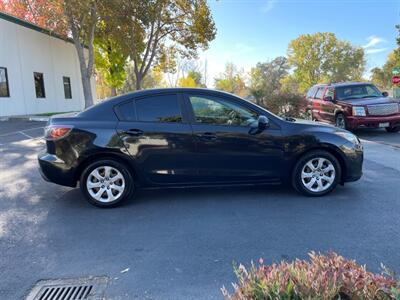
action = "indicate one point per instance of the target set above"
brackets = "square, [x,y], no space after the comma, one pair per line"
[32,26]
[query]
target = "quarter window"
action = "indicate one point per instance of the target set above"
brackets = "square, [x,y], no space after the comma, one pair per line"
[311,93]
[215,111]
[39,85]
[4,90]
[67,87]
[163,108]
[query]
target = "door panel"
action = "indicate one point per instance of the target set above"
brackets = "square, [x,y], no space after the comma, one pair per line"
[328,107]
[164,152]
[229,146]
[159,139]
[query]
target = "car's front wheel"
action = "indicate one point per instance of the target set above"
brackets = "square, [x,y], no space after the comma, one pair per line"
[106,183]
[316,173]
[393,129]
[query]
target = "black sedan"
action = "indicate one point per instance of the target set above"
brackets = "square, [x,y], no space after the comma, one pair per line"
[192,137]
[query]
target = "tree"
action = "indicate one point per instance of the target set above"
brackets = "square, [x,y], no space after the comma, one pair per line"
[82,18]
[110,59]
[265,78]
[154,79]
[187,81]
[321,57]
[46,14]
[232,81]
[383,76]
[157,30]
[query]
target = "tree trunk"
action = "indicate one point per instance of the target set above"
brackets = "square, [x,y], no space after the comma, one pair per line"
[87,89]
[113,91]
[139,80]
[85,67]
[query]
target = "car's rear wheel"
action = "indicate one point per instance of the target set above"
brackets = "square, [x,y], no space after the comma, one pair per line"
[316,173]
[340,121]
[393,129]
[106,183]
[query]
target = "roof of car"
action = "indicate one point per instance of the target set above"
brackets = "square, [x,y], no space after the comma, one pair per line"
[102,106]
[336,84]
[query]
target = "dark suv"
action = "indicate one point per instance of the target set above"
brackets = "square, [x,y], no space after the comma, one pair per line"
[353,104]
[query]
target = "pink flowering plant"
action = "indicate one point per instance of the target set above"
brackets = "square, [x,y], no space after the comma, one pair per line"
[324,277]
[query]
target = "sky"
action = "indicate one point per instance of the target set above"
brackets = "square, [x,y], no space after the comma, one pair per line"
[251,31]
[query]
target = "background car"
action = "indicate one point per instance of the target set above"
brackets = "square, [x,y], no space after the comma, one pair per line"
[192,137]
[352,105]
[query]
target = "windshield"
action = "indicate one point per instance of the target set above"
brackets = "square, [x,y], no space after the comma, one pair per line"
[357,92]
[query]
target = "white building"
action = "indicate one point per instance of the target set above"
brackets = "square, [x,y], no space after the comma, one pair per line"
[39,71]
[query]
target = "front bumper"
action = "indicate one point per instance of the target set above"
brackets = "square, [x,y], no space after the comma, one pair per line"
[55,170]
[353,159]
[372,122]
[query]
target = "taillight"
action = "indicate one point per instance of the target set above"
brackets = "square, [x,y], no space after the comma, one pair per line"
[55,132]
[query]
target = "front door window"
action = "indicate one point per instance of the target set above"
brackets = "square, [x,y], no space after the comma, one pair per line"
[215,111]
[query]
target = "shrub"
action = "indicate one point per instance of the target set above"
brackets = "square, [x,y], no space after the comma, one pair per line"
[285,104]
[325,277]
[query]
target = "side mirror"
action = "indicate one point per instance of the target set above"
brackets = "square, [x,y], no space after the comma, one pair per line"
[385,94]
[263,122]
[328,98]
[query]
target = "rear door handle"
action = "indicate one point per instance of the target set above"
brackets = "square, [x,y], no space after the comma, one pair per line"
[134,132]
[208,136]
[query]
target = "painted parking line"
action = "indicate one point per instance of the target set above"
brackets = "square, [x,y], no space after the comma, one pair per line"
[16,136]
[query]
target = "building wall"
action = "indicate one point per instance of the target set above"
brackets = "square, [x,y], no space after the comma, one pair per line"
[24,51]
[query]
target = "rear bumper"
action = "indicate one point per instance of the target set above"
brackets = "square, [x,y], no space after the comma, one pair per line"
[372,122]
[55,170]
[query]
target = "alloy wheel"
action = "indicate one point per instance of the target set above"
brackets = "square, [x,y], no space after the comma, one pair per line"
[318,174]
[340,122]
[105,184]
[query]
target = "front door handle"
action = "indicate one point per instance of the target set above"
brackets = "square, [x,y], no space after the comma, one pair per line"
[134,132]
[208,136]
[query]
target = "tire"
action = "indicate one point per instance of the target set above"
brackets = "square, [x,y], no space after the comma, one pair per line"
[340,121]
[109,176]
[324,181]
[393,129]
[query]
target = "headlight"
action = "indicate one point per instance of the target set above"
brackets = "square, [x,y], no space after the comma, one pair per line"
[349,136]
[359,111]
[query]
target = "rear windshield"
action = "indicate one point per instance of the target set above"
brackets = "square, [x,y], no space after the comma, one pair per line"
[360,91]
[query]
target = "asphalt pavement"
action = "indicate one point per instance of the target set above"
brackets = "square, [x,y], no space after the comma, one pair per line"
[181,244]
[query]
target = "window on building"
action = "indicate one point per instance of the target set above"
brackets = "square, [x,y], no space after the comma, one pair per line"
[4,91]
[163,108]
[67,87]
[39,85]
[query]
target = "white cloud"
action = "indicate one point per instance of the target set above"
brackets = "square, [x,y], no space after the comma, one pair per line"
[376,50]
[268,5]
[243,48]
[371,47]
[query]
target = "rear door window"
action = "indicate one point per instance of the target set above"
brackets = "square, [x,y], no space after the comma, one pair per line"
[159,108]
[319,93]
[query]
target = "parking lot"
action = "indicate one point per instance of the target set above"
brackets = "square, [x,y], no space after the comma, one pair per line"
[181,244]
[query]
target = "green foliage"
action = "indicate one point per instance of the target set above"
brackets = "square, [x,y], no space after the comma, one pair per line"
[232,81]
[154,79]
[110,62]
[321,57]
[329,277]
[382,77]
[265,78]
[154,32]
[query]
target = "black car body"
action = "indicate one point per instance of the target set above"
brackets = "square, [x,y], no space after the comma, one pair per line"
[191,137]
